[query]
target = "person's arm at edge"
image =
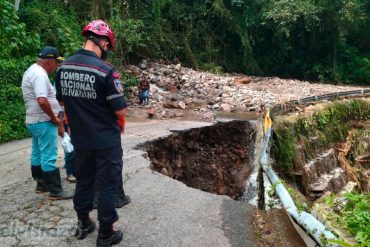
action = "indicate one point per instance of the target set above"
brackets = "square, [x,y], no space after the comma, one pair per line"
[121,113]
[45,106]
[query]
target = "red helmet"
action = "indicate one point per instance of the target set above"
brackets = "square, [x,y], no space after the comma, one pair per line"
[100,28]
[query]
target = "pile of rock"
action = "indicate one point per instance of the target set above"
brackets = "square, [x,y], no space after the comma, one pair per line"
[174,87]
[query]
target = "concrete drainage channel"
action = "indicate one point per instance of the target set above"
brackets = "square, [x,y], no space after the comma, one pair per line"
[217,159]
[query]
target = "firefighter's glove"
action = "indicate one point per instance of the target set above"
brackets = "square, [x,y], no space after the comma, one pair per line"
[121,124]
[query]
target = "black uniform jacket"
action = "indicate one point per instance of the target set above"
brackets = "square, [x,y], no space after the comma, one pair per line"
[91,91]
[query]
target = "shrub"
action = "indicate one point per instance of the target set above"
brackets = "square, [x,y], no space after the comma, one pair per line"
[59,27]
[12,116]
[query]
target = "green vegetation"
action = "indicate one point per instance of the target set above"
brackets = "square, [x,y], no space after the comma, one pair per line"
[271,192]
[354,216]
[12,114]
[299,138]
[315,40]
[17,50]
[284,149]
[315,132]
[53,22]
[128,82]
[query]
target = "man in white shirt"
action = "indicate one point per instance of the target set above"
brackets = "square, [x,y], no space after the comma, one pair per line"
[43,123]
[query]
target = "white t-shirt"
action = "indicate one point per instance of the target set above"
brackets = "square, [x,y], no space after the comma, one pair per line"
[36,84]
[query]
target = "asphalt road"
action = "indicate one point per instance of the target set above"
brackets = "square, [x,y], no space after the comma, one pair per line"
[163,211]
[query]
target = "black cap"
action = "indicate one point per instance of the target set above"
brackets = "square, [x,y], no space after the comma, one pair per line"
[50,52]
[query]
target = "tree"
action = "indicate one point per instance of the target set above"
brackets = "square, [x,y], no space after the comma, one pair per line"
[16,4]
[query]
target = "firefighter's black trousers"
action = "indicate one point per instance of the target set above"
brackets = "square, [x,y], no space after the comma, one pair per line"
[105,165]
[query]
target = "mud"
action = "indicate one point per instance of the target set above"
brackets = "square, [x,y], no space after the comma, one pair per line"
[266,225]
[216,159]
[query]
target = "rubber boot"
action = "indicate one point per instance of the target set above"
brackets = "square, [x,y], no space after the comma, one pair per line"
[107,236]
[53,181]
[38,176]
[84,226]
[122,199]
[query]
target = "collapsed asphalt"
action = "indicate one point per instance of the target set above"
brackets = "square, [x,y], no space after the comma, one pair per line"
[163,211]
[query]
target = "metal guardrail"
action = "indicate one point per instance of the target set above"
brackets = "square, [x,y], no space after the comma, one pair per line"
[314,228]
[359,92]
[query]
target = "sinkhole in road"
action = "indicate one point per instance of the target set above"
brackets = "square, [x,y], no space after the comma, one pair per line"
[217,159]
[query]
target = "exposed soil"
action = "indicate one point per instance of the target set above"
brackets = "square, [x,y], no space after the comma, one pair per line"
[216,159]
[139,113]
[274,229]
[219,159]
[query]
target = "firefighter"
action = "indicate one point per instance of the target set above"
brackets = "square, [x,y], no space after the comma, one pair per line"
[92,94]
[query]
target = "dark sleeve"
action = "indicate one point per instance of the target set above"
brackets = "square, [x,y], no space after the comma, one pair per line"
[114,90]
[58,87]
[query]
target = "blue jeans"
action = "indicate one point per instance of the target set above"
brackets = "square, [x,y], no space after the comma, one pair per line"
[143,96]
[44,145]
